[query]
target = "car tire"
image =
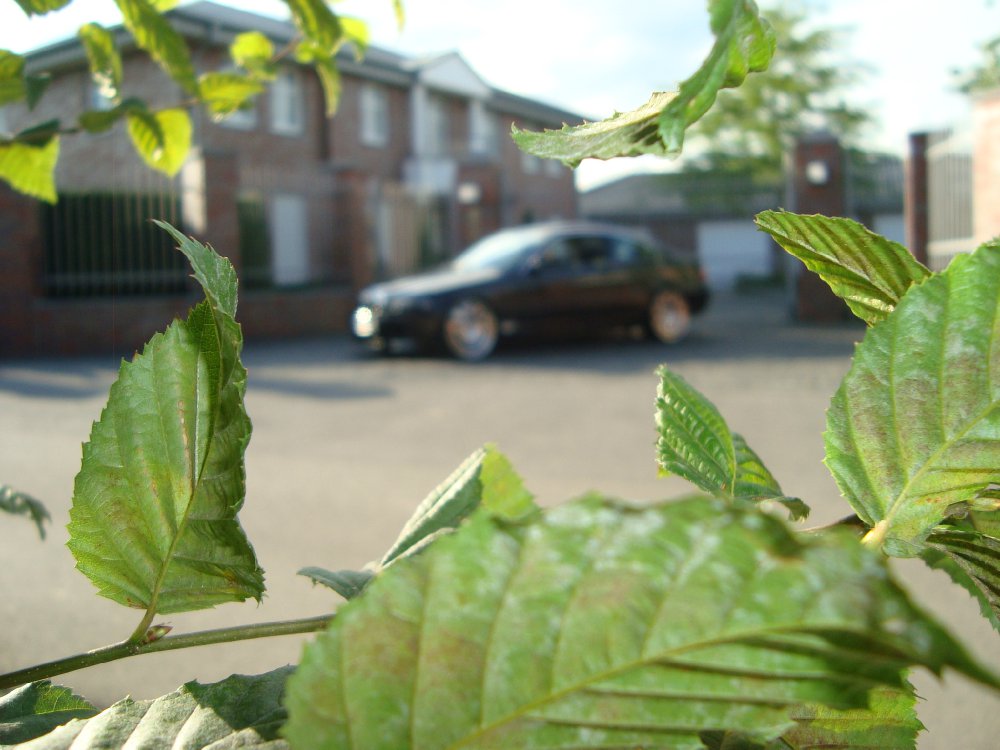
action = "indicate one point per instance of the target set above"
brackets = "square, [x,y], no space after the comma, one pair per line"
[669,317]
[470,331]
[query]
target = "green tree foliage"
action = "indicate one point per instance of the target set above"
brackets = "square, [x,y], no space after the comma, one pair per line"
[750,129]
[986,75]
[161,135]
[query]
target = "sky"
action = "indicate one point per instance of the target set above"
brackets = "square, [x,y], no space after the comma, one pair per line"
[595,56]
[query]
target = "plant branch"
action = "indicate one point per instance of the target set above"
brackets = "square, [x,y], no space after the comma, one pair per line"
[169,643]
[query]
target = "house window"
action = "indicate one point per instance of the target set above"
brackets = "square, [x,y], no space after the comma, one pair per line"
[483,130]
[530,164]
[553,168]
[242,119]
[438,132]
[287,103]
[374,116]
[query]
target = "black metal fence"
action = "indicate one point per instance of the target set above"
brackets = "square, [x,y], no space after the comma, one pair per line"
[102,244]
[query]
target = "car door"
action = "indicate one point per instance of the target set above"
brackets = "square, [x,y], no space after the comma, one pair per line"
[547,289]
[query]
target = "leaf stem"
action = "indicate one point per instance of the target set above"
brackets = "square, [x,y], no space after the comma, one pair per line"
[168,643]
[876,535]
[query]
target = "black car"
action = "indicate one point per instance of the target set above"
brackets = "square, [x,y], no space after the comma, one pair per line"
[540,277]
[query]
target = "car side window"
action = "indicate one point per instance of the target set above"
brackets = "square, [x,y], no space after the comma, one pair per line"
[595,252]
[625,253]
[578,254]
[560,254]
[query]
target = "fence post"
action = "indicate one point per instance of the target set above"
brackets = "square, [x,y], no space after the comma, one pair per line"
[986,166]
[915,197]
[817,187]
[20,268]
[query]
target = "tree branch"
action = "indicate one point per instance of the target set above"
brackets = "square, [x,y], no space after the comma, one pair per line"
[169,643]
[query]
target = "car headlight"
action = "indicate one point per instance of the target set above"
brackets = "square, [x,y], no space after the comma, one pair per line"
[364,322]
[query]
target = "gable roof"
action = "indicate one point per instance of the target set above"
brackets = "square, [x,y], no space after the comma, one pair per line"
[219,24]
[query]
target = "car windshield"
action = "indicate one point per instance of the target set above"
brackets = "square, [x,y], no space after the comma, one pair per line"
[501,251]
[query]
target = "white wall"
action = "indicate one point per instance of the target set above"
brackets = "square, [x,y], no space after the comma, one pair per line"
[730,248]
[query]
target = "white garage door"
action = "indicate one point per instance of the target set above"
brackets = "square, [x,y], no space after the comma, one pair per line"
[729,249]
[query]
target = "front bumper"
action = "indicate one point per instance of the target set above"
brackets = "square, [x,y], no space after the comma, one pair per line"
[369,322]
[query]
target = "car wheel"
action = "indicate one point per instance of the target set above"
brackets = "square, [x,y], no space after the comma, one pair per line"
[669,317]
[470,331]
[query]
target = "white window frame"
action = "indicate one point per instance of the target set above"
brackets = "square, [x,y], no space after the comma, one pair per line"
[530,164]
[288,103]
[438,135]
[374,116]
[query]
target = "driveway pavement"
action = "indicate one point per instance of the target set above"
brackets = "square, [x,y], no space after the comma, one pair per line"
[345,445]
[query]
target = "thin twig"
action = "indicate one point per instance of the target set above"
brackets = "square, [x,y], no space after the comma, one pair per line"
[168,643]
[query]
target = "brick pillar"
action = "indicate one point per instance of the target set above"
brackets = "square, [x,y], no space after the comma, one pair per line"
[986,165]
[818,184]
[210,184]
[352,230]
[915,197]
[21,252]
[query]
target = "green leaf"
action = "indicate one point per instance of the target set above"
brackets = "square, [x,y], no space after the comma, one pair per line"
[253,52]
[323,62]
[18,504]
[153,522]
[41,7]
[30,169]
[103,58]
[986,523]
[225,93]
[889,723]
[695,443]
[868,271]
[485,479]
[913,432]
[744,43]
[156,36]
[11,77]
[162,139]
[600,625]
[36,709]
[972,560]
[357,32]
[34,87]
[238,712]
[347,583]
[216,276]
[101,120]
[317,23]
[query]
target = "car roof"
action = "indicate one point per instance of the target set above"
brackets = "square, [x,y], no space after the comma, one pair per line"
[545,230]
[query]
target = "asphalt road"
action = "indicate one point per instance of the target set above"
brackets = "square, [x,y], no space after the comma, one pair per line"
[346,444]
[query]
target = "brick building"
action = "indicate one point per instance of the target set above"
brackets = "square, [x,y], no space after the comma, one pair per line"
[416,164]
